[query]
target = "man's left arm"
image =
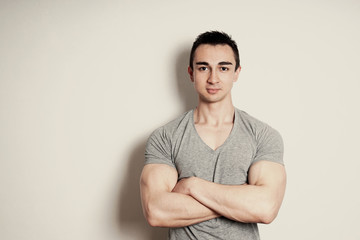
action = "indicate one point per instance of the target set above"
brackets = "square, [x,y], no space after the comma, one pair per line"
[259,201]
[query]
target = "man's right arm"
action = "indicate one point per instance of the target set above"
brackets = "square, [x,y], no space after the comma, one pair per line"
[164,208]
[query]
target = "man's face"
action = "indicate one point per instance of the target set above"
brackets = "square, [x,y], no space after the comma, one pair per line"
[214,72]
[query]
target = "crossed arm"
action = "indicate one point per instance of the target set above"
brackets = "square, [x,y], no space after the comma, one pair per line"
[168,203]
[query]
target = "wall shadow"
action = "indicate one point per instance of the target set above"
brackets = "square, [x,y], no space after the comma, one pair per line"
[130,216]
[186,91]
[130,219]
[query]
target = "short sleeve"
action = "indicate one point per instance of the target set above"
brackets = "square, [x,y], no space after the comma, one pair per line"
[270,146]
[158,148]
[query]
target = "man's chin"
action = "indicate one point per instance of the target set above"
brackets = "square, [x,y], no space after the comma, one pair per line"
[211,99]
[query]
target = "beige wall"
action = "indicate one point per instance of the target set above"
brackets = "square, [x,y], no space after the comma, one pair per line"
[83,84]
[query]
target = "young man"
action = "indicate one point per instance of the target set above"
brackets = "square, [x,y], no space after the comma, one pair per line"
[214,172]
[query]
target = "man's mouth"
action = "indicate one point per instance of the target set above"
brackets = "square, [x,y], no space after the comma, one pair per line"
[212,90]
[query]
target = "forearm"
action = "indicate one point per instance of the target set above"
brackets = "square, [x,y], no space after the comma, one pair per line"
[243,203]
[162,206]
[170,209]
[259,201]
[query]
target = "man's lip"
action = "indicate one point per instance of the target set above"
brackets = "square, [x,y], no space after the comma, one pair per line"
[212,90]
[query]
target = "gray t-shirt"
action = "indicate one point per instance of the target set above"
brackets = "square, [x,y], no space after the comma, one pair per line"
[178,145]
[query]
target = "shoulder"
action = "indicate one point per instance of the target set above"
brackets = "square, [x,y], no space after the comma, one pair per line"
[258,129]
[160,144]
[267,140]
[173,127]
[249,119]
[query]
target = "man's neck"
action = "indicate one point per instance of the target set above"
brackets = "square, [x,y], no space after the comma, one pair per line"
[214,114]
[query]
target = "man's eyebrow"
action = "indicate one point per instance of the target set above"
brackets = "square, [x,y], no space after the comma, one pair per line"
[202,63]
[220,63]
[225,63]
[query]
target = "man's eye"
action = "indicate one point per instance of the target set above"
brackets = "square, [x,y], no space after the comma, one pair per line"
[224,69]
[203,68]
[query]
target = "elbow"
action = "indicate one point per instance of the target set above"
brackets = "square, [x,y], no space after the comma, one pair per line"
[154,221]
[153,217]
[268,214]
[267,218]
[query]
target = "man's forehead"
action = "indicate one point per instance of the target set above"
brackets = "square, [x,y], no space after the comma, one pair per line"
[218,52]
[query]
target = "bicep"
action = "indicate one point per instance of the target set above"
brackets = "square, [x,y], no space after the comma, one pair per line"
[157,177]
[271,176]
[155,181]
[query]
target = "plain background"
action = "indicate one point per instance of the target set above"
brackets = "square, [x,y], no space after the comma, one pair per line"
[84,83]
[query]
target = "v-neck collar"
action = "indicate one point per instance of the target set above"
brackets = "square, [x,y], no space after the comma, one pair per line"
[233,130]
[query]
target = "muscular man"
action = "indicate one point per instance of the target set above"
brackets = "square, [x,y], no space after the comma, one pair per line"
[215,171]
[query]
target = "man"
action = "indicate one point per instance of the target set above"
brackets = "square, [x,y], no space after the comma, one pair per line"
[214,172]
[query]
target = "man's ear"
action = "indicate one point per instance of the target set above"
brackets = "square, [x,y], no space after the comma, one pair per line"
[237,72]
[191,73]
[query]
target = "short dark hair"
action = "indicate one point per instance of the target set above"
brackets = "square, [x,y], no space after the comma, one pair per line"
[215,38]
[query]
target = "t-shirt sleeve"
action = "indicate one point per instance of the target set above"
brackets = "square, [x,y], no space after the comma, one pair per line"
[158,148]
[270,146]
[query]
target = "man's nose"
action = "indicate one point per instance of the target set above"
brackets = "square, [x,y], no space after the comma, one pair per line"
[213,77]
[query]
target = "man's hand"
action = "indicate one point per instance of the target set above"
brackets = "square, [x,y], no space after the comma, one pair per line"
[168,203]
[183,186]
[166,208]
[258,201]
